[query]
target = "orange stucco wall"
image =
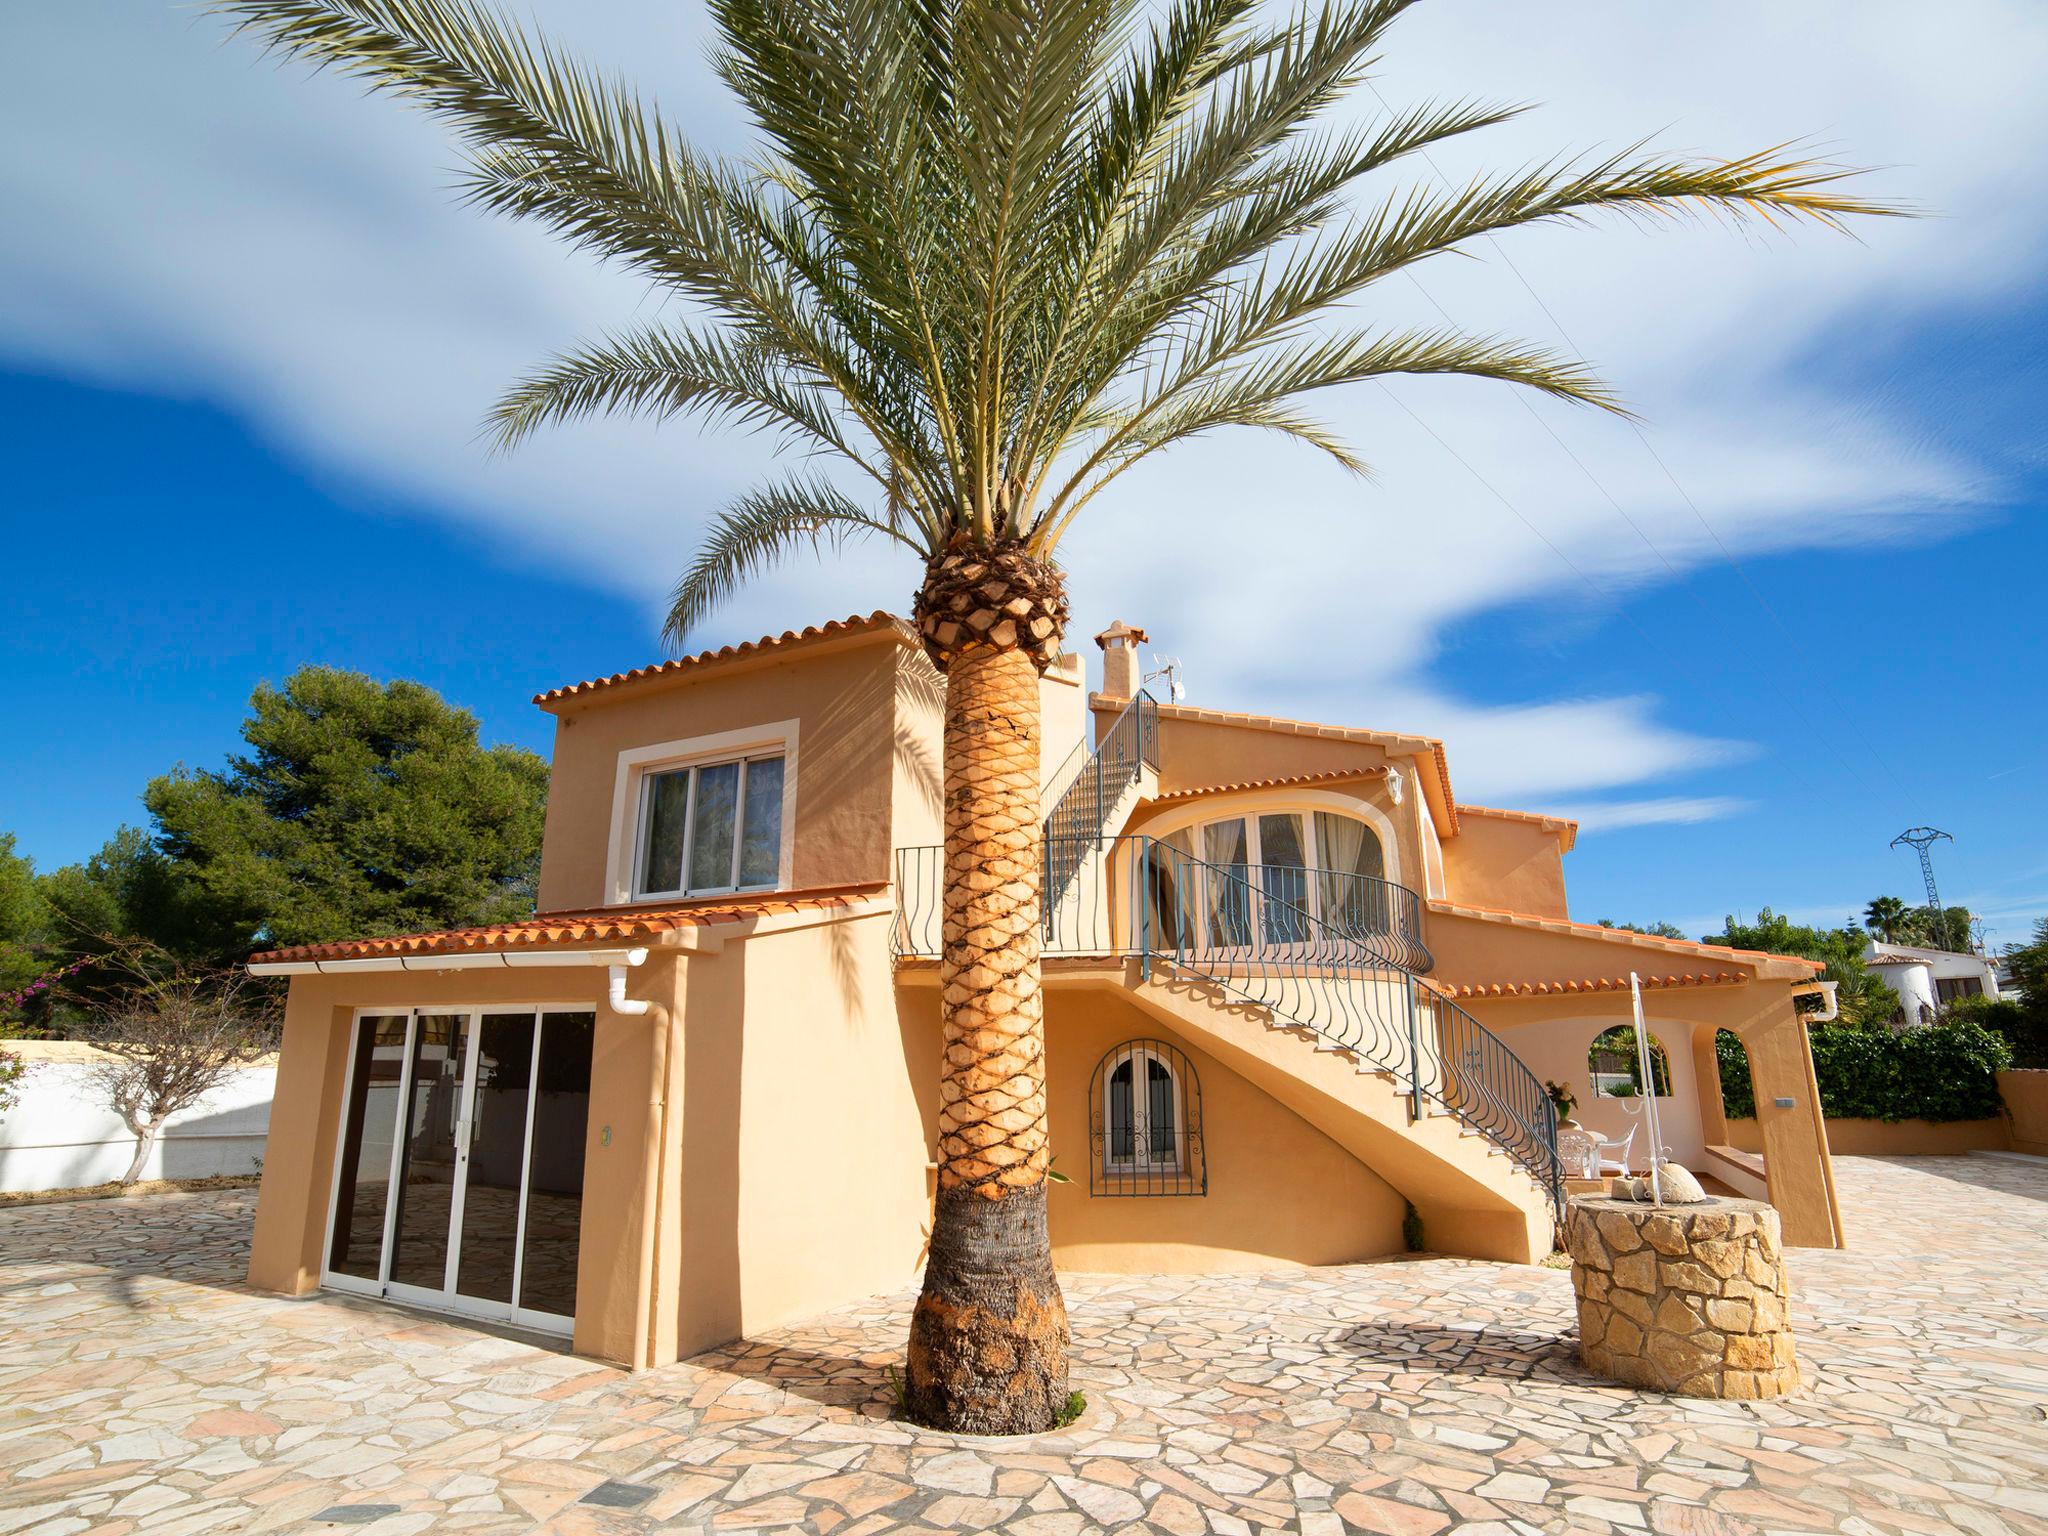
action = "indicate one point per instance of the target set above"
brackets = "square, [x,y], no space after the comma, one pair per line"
[1512,865]
[1793,1136]
[843,697]
[1280,1192]
[2026,1105]
[1899,1138]
[798,1180]
[298,1168]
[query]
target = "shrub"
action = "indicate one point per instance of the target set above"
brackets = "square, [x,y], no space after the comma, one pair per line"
[1738,1094]
[1947,1071]
[2024,1030]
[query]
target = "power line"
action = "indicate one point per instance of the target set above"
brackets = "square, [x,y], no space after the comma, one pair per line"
[1649,447]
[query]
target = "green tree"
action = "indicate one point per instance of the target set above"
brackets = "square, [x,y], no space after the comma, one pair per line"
[986,257]
[360,808]
[1660,930]
[1865,1001]
[2029,966]
[1947,928]
[1885,917]
[24,920]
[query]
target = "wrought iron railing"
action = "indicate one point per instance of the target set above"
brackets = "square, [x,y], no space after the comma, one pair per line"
[1079,820]
[1250,932]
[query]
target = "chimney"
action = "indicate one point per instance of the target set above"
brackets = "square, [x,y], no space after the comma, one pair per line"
[1120,672]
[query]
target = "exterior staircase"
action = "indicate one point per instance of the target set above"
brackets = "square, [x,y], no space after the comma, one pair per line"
[1329,1012]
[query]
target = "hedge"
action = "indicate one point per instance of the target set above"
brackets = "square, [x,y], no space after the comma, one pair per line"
[1947,1071]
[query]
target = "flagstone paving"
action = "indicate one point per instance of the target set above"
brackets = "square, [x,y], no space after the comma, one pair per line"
[143,1388]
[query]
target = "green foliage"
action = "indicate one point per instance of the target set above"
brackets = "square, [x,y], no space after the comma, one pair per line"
[1562,1099]
[24,920]
[1411,1228]
[1660,930]
[1946,1071]
[1614,1051]
[2023,1028]
[360,809]
[12,1070]
[1866,1002]
[2029,965]
[1738,1093]
[1885,916]
[1071,1410]
[988,257]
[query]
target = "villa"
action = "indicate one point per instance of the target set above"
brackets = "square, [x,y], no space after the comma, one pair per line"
[1293,987]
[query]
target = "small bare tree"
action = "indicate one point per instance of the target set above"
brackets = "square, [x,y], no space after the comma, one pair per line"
[172,1034]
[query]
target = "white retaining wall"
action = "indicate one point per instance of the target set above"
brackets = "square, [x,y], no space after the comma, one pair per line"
[60,1133]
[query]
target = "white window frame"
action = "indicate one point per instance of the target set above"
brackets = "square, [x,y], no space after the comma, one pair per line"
[637,765]
[1141,1160]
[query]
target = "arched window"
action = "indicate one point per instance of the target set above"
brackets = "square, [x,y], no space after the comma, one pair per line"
[1147,1130]
[1246,881]
[1615,1068]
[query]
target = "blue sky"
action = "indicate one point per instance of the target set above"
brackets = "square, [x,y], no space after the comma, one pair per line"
[244,342]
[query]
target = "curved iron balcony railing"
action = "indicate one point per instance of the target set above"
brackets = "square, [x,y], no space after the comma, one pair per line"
[1324,965]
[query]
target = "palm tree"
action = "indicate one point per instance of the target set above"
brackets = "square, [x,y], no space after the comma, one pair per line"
[990,255]
[1886,917]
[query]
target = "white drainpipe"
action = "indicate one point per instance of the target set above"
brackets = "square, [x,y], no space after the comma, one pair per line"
[632,1008]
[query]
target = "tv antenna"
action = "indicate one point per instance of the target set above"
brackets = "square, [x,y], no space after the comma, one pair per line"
[1920,839]
[1167,667]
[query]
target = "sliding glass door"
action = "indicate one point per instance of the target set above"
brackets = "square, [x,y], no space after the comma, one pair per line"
[459,1179]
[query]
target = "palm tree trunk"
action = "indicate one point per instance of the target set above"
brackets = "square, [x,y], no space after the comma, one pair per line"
[988,1341]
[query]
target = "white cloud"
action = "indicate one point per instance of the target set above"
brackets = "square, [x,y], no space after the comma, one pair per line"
[1664,810]
[184,217]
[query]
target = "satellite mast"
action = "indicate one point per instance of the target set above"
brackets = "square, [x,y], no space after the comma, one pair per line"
[1920,839]
[1167,667]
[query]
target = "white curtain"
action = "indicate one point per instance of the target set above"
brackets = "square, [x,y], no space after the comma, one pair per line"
[1347,847]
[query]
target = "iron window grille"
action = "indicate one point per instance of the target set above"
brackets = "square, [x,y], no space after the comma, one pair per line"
[1145,1123]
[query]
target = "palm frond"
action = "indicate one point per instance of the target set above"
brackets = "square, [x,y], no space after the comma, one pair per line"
[764,527]
[666,371]
[1260,393]
[993,253]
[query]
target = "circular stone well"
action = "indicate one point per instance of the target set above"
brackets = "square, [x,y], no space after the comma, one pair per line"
[1682,1298]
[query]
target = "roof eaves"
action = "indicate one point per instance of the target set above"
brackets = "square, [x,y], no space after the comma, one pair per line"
[1615,935]
[853,624]
[1397,742]
[560,930]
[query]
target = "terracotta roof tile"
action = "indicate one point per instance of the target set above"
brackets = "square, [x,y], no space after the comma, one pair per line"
[1335,775]
[852,624]
[1397,741]
[1469,989]
[604,925]
[1626,936]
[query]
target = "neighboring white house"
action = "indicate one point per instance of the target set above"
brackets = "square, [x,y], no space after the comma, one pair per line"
[1925,979]
[60,1132]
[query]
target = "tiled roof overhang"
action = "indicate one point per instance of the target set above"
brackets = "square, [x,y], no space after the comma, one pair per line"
[1299,780]
[874,623]
[1471,989]
[553,930]
[1392,741]
[1624,936]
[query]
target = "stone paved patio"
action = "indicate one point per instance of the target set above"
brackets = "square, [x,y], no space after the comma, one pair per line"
[142,1388]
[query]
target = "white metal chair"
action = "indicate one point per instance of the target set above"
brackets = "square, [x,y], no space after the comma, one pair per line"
[1614,1154]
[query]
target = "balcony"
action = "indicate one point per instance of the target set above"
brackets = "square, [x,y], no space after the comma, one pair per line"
[1140,896]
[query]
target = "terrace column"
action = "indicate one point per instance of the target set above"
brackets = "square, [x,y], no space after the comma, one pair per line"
[1789,1121]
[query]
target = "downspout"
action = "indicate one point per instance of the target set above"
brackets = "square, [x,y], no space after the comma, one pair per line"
[653,1163]
[616,996]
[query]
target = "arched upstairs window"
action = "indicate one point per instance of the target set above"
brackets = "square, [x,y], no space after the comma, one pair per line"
[1615,1068]
[1146,1123]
